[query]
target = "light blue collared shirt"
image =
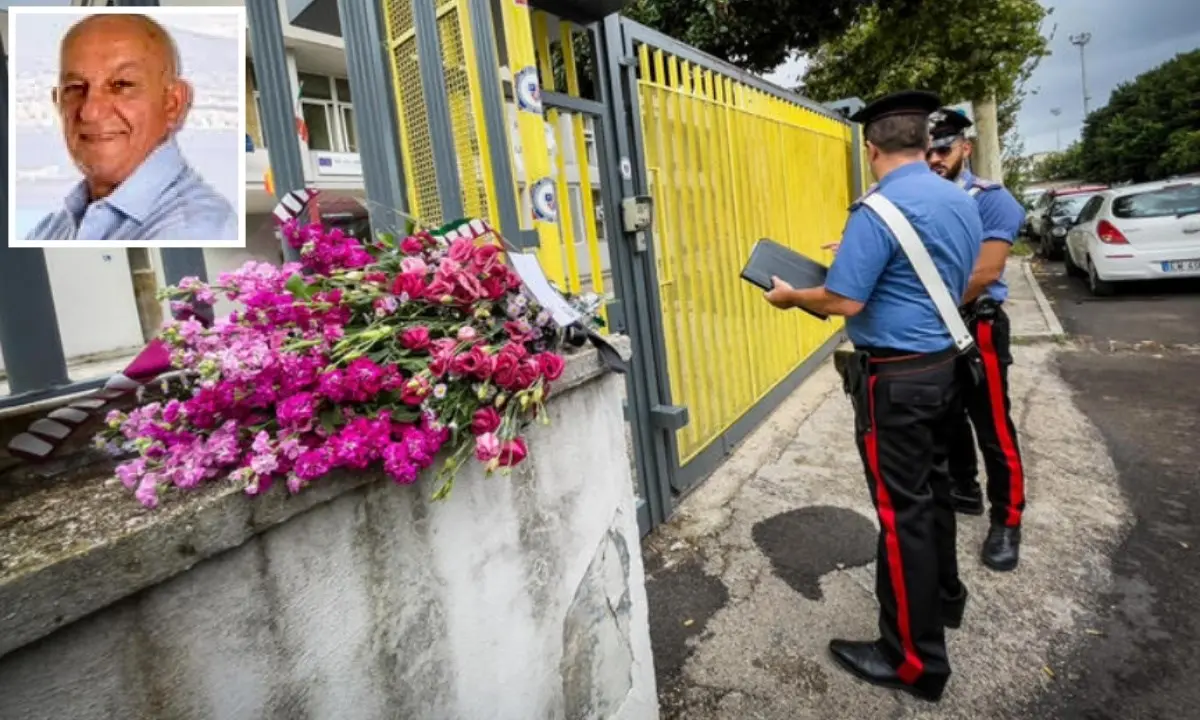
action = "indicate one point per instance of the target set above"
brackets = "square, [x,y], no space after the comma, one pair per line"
[164,199]
[871,267]
[1002,217]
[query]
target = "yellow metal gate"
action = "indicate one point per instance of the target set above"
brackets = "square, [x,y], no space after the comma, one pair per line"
[596,115]
[728,163]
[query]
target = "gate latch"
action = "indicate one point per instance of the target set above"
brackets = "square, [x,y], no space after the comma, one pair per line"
[669,417]
[637,215]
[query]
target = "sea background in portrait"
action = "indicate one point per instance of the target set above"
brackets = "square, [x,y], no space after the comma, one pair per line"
[210,140]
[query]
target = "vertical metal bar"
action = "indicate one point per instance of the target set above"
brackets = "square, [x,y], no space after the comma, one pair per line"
[29,339]
[179,263]
[566,221]
[633,275]
[856,158]
[433,87]
[583,164]
[535,153]
[375,112]
[278,119]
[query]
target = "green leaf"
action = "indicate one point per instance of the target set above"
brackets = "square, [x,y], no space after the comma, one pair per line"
[300,289]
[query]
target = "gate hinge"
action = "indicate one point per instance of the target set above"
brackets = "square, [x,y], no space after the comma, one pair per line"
[669,417]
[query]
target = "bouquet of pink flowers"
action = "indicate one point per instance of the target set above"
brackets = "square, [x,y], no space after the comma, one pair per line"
[363,355]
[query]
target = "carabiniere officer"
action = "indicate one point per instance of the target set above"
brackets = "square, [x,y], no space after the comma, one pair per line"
[986,403]
[903,378]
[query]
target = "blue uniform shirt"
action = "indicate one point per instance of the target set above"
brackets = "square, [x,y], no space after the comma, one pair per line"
[164,199]
[871,267]
[1002,218]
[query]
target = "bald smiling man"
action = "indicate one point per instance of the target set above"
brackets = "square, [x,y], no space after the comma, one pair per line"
[121,100]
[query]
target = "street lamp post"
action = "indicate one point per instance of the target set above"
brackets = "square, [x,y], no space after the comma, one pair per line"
[1082,39]
[1057,129]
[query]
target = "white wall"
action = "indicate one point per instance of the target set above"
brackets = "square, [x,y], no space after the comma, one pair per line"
[93,299]
[516,598]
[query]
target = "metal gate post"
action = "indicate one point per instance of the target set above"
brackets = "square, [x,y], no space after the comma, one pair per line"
[375,115]
[29,338]
[483,30]
[856,160]
[278,104]
[433,89]
[178,263]
[635,279]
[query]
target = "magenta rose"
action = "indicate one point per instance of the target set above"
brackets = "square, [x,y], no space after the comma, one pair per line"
[551,364]
[411,246]
[528,372]
[474,362]
[504,371]
[485,420]
[512,452]
[416,338]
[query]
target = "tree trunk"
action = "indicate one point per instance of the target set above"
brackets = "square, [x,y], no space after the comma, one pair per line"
[985,160]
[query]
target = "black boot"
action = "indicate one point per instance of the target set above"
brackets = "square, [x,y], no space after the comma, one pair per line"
[866,661]
[953,607]
[967,498]
[1002,548]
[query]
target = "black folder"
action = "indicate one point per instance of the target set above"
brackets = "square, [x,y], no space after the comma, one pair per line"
[769,258]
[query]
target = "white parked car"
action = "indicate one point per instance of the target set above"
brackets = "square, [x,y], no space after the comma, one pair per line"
[1149,231]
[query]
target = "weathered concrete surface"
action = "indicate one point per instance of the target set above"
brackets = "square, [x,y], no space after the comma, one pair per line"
[773,556]
[1030,313]
[516,598]
[1136,375]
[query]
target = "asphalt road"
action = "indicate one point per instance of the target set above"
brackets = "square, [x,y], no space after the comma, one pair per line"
[1136,374]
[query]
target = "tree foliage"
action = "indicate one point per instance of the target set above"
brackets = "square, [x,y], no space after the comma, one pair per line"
[757,35]
[1150,128]
[1064,165]
[961,49]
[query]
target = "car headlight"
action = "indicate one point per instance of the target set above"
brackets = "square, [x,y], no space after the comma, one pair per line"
[1058,231]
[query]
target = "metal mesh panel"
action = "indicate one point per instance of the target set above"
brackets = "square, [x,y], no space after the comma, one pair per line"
[416,145]
[462,117]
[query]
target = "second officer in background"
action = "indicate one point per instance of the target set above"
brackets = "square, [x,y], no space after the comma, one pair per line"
[987,404]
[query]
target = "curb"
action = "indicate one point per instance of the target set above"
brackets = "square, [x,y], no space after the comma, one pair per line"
[1055,331]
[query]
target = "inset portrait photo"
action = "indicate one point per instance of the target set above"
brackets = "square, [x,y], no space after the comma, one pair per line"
[126,129]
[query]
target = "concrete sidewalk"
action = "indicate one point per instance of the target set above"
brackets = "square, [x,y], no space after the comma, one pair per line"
[774,555]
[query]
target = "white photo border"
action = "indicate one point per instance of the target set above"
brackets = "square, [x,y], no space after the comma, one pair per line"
[15,14]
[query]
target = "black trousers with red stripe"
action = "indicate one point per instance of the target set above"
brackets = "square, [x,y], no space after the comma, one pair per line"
[987,407]
[911,403]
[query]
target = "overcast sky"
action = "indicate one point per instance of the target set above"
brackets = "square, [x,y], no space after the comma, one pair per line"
[1129,37]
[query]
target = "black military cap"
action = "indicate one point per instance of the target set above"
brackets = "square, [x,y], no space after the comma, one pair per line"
[947,125]
[907,102]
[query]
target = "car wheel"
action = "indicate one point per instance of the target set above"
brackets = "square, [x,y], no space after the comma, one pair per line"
[1069,263]
[1099,288]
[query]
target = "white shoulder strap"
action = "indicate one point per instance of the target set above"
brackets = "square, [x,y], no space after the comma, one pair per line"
[975,190]
[906,235]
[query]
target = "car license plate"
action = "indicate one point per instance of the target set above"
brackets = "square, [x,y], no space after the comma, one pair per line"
[1181,266]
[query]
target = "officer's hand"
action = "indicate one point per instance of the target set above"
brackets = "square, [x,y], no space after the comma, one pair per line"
[832,247]
[780,295]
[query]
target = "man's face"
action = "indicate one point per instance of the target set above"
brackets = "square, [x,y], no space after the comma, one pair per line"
[948,161]
[117,98]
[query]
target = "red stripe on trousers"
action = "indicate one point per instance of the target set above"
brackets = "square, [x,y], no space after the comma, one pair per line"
[1016,474]
[911,668]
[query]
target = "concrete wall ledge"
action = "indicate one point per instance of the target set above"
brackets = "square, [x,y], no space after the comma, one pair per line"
[83,544]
